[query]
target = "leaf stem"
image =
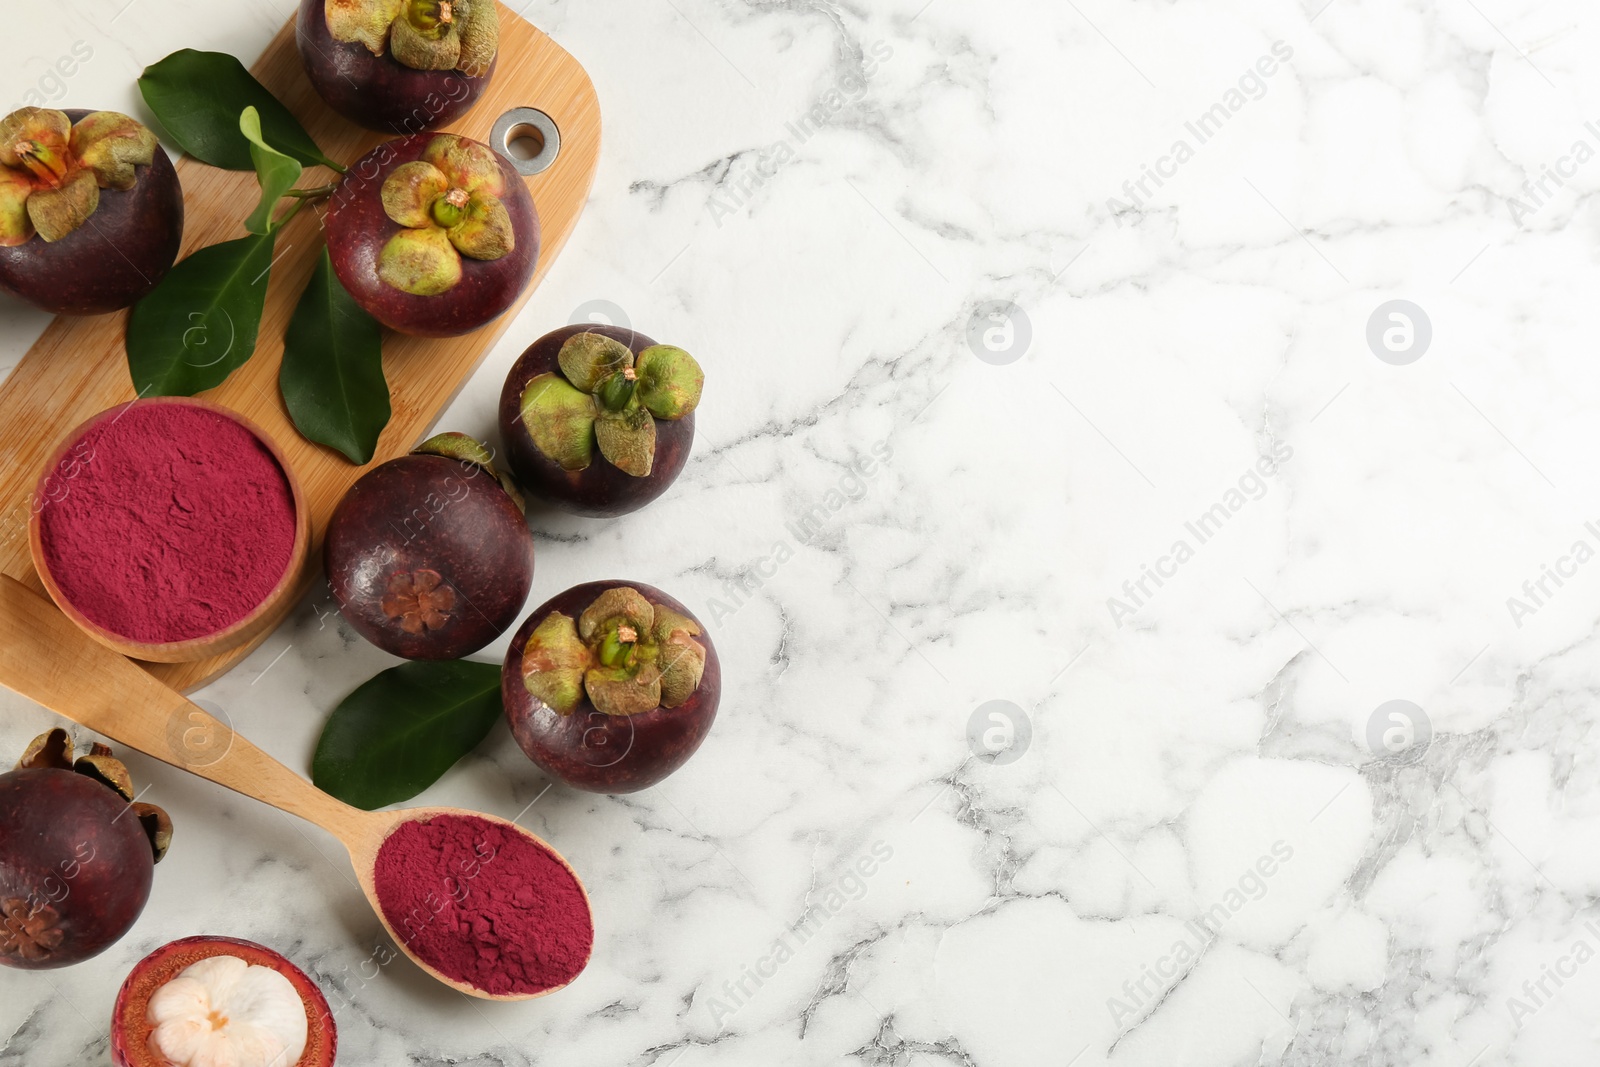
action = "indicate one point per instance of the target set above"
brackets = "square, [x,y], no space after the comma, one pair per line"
[312,194]
[289,215]
[301,198]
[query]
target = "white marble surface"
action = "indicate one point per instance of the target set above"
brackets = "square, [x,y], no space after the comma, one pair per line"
[1183,740]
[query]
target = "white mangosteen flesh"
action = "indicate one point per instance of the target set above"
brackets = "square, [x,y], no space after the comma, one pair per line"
[223,1012]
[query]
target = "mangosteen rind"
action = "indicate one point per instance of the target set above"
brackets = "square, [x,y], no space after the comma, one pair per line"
[75,873]
[417,279]
[89,226]
[576,480]
[369,86]
[429,557]
[574,739]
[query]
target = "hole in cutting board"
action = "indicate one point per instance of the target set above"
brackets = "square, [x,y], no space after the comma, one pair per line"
[524,142]
[527,138]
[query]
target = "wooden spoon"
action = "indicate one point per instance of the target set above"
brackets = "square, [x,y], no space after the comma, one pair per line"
[46,658]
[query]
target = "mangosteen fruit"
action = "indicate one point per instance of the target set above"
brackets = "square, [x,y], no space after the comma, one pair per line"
[611,686]
[399,66]
[433,235]
[91,212]
[220,1002]
[428,555]
[76,854]
[598,420]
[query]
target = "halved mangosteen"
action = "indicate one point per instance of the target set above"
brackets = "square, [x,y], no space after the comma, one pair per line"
[220,1002]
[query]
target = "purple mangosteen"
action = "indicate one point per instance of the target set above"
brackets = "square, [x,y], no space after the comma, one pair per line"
[599,420]
[433,235]
[91,212]
[428,555]
[399,66]
[611,686]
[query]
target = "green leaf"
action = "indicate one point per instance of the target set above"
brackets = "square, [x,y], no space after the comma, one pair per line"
[399,732]
[198,96]
[332,374]
[275,171]
[201,321]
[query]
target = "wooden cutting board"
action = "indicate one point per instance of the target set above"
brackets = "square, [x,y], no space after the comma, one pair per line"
[79,366]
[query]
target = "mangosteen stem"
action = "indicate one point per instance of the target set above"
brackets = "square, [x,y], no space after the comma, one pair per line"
[432,17]
[617,646]
[617,389]
[448,209]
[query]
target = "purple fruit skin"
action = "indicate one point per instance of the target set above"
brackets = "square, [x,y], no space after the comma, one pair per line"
[379,92]
[358,229]
[441,514]
[113,260]
[599,490]
[48,817]
[582,749]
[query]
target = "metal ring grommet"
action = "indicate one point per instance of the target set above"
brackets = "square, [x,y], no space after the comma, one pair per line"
[528,139]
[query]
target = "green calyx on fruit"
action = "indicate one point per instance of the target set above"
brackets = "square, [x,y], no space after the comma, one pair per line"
[554,662]
[588,359]
[627,438]
[465,448]
[449,203]
[560,420]
[605,396]
[54,751]
[627,654]
[459,35]
[52,170]
[669,381]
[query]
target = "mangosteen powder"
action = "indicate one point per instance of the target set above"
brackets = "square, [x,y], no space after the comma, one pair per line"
[484,904]
[167,522]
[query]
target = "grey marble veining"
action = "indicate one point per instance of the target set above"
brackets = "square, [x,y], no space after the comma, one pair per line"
[1196,511]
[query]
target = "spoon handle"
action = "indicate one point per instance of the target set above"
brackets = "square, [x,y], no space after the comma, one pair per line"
[46,658]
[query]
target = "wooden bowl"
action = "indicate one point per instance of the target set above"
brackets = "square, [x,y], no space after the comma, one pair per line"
[263,618]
